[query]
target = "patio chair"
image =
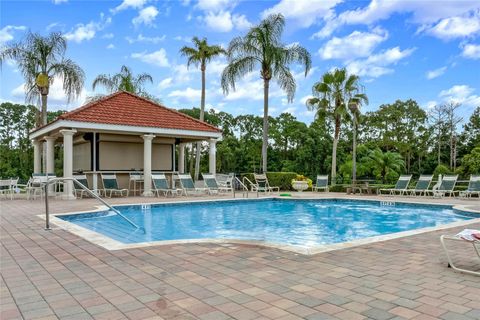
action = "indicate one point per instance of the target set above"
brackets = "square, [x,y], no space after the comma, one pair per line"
[473,187]
[136,180]
[212,185]
[110,183]
[446,186]
[467,237]
[79,190]
[160,184]
[321,184]
[188,186]
[400,187]
[35,185]
[421,188]
[6,188]
[262,185]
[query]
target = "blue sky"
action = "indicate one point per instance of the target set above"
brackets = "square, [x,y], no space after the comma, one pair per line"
[425,50]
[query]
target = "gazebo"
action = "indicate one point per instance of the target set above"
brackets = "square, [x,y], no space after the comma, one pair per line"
[121,133]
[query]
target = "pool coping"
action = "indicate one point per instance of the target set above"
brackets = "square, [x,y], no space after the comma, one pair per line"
[111,244]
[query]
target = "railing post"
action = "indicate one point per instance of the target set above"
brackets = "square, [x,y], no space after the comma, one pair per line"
[47,213]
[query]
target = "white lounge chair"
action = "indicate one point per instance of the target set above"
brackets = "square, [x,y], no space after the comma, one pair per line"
[473,187]
[188,186]
[160,184]
[110,184]
[447,184]
[262,185]
[421,188]
[321,184]
[212,185]
[466,238]
[400,187]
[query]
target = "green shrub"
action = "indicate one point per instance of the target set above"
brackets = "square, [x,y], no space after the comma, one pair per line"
[441,169]
[283,180]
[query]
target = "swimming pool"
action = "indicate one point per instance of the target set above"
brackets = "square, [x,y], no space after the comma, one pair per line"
[291,222]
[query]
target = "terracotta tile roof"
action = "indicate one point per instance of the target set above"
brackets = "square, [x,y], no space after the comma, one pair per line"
[124,108]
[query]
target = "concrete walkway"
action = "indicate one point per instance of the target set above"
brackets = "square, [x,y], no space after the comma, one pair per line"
[55,274]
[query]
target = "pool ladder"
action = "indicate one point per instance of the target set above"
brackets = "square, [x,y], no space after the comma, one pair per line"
[90,192]
[244,188]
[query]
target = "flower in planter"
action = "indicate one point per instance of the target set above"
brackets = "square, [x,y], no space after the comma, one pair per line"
[303,178]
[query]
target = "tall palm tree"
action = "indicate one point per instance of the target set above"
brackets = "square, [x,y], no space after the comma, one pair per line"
[200,54]
[41,60]
[332,94]
[262,47]
[385,162]
[124,80]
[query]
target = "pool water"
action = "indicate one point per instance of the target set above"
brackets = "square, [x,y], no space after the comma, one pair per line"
[281,221]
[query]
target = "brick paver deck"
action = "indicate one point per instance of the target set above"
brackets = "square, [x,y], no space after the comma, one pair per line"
[55,274]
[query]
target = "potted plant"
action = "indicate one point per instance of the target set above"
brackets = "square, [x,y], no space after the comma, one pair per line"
[301,183]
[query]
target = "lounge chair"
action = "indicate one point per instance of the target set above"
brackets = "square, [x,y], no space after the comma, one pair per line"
[160,184]
[421,188]
[8,187]
[446,186]
[466,236]
[473,187]
[188,186]
[212,185]
[262,185]
[79,191]
[110,184]
[321,184]
[400,187]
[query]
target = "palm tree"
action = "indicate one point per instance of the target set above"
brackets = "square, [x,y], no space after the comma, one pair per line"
[354,108]
[123,81]
[41,60]
[332,94]
[200,54]
[384,163]
[262,47]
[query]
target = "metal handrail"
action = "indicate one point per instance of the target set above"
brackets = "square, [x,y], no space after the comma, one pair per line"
[244,187]
[90,192]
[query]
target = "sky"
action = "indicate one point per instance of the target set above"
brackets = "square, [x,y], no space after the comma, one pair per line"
[428,51]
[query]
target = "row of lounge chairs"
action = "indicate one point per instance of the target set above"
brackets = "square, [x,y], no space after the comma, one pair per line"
[160,186]
[445,187]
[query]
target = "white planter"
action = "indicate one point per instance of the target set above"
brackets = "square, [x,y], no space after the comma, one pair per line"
[300,185]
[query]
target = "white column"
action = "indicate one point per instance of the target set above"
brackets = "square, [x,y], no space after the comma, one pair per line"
[147,165]
[37,156]
[213,156]
[50,154]
[68,162]
[181,158]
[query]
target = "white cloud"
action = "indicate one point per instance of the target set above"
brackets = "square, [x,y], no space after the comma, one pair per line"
[378,64]
[432,74]
[241,22]
[136,4]
[214,5]
[6,33]
[59,1]
[355,45]
[87,31]
[471,51]
[224,21]
[462,94]
[181,38]
[188,94]
[250,87]
[108,36]
[165,83]
[157,58]
[303,12]
[424,13]
[142,38]
[457,27]
[145,16]
[54,25]
[111,46]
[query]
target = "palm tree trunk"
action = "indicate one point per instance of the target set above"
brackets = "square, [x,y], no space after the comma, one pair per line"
[334,151]
[202,110]
[354,153]
[44,109]
[265,125]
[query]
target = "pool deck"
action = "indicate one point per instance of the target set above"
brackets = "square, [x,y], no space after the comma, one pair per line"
[56,274]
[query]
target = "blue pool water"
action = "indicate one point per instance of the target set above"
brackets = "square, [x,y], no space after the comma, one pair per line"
[281,221]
